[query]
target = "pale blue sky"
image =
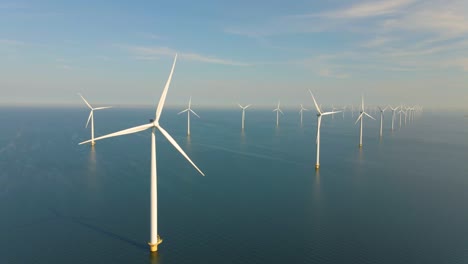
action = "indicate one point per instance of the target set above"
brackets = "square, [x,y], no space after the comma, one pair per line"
[120,52]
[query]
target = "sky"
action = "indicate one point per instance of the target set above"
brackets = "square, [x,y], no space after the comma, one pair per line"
[253,52]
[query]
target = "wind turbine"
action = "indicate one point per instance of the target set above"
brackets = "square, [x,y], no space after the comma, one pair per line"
[344,109]
[319,121]
[243,114]
[188,110]
[278,110]
[155,240]
[91,117]
[393,113]
[381,118]
[301,112]
[333,110]
[361,118]
[401,111]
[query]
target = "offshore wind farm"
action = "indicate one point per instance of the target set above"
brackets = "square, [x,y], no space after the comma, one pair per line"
[277,91]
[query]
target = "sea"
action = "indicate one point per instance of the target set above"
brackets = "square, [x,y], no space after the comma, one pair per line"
[401,198]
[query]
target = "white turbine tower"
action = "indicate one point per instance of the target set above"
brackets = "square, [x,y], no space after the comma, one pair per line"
[155,240]
[400,112]
[381,118]
[361,117]
[188,110]
[344,109]
[393,114]
[302,111]
[91,117]
[319,121]
[243,114]
[278,110]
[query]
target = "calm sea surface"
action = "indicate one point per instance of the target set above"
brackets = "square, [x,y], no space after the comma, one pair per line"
[401,199]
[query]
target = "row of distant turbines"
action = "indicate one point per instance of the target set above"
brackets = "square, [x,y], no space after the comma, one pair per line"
[154,125]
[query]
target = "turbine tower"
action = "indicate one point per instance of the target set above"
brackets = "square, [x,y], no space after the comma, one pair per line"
[278,110]
[301,112]
[91,117]
[381,118]
[393,113]
[361,117]
[155,240]
[320,113]
[189,110]
[243,114]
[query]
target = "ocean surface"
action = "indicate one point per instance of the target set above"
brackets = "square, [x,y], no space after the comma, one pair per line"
[400,199]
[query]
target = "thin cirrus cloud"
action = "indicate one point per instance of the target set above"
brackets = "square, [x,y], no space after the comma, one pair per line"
[369,9]
[152,53]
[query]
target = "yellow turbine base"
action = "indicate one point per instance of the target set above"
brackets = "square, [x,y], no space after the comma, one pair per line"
[317,166]
[93,143]
[154,247]
[360,145]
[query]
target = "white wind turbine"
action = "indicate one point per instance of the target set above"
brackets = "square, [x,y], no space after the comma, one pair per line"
[243,114]
[393,113]
[302,111]
[361,117]
[155,240]
[188,110]
[319,121]
[344,109]
[278,110]
[400,112]
[381,118]
[91,117]
[333,110]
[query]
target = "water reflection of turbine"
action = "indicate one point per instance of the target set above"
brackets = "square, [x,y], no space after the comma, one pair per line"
[92,181]
[154,258]
[188,144]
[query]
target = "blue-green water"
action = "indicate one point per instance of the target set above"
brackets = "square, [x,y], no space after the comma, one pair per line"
[402,199]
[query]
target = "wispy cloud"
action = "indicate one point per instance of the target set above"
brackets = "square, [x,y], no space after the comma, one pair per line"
[142,52]
[332,74]
[11,42]
[369,9]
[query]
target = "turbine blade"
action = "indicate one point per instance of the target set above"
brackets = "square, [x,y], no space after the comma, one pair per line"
[315,102]
[247,106]
[86,102]
[190,102]
[193,112]
[240,105]
[330,113]
[174,143]
[183,111]
[368,115]
[280,111]
[89,118]
[360,116]
[104,107]
[164,94]
[122,132]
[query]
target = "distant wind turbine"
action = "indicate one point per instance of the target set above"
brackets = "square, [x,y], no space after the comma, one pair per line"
[301,112]
[361,117]
[189,110]
[393,114]
[381,118]
[320,113]
[243,114]
[155,240]
[91,117]
[400,112]
[278,110]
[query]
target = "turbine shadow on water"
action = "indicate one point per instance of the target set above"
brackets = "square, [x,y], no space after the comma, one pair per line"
[98,229]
